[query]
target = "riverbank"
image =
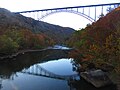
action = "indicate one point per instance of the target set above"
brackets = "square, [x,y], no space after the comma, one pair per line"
[10,56]
[13,55]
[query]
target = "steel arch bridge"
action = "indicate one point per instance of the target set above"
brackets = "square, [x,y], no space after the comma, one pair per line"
[90,12]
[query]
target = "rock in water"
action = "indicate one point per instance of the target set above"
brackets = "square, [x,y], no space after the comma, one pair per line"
[98,78]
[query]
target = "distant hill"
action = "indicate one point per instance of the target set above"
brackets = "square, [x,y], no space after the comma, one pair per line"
[57,33]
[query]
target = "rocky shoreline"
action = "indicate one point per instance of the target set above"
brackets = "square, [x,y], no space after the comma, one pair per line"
[97,78]
[100,77]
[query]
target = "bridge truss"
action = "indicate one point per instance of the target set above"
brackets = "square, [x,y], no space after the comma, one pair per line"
[90,12]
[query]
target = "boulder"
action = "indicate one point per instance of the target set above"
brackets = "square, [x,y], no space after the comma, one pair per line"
[98,78]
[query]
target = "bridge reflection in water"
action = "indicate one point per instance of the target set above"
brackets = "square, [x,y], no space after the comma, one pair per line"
[37,70]
[21,73]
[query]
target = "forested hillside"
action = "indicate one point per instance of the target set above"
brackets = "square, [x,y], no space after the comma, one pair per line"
[18,33]
[99,43]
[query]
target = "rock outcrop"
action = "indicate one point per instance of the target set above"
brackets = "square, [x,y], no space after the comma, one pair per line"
[98,78]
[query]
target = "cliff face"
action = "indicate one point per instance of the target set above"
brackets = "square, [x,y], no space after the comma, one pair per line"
[57,33]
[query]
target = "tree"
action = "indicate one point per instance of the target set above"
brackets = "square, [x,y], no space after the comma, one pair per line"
[16,36]
[101,15]
[8,45]
[109,9]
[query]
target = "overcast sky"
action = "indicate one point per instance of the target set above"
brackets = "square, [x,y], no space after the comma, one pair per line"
[63,19]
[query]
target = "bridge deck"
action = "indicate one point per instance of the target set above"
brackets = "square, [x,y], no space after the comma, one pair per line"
[69,7]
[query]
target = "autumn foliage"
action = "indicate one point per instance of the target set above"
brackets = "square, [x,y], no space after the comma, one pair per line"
[12,40]
[99,43]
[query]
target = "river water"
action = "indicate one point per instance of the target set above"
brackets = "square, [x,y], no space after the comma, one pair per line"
[45,70]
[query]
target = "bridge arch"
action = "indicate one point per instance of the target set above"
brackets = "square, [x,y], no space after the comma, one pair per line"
[68,11]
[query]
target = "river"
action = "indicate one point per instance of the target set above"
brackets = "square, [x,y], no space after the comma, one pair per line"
[50,69]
